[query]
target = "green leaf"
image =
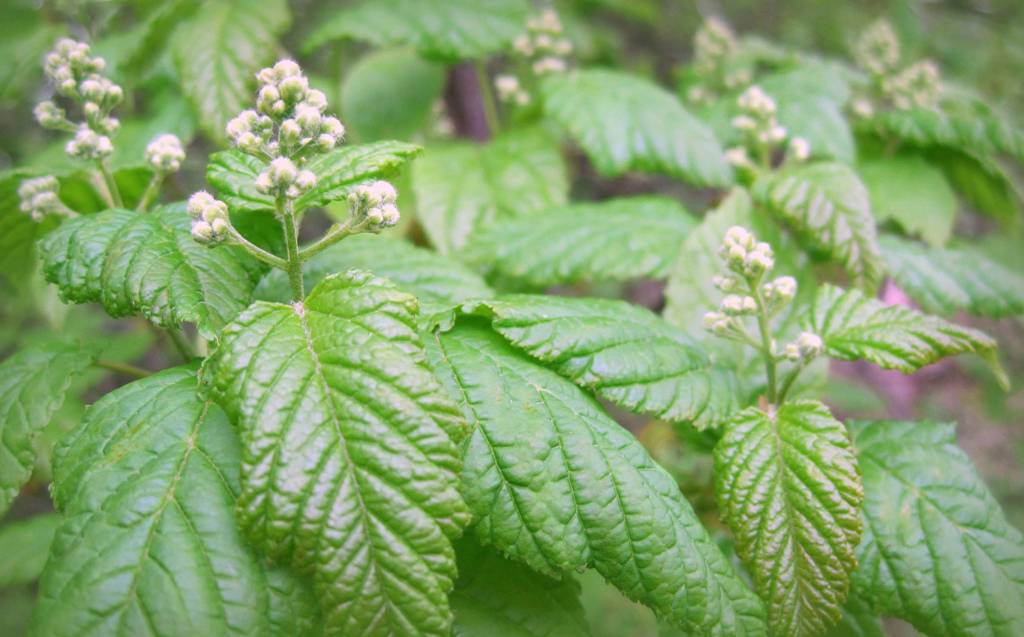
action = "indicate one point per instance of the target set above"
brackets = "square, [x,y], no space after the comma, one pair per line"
[33,384]
[937,549]
[984,184]
[497,597]
[148,264]
[891,336]
[810,99]
[554,482]
[829,206]
[147,484]
[390,94]
[789,488]
[218,53]
[233,173]
[349,459]
[464,187]
[24,547]
[449,30]
[945,281]
[615,240]
[621,351]
[625,122]
[912,192]
[437,281]
[858,619]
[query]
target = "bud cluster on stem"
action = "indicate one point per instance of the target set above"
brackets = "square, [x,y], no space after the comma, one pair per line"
[39,198]
[877,51]
[716,63]
[749,294]
[543,49]
[762,134]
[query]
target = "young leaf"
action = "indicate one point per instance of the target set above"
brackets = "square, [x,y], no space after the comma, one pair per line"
[147,485]
[24,547]
[913,193]
[464,187]
[218,53]
[233,173]
[349,459]
[625,122]
[148,264]
[621,351]
[497,597]
[390,93]
[945,281]
[554,482]
[891,336]
[788,486]
[937,549]
[449,30]
[615,240]
[828,204]
[437,281]
[33,384]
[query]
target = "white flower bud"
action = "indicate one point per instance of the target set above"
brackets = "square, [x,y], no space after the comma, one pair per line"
[308,117]
[522,45]
[737,156]
[744,123]
[799,149]
[220,227]
[724,283]
[316,99]
[290,132]
[781,289]
[287,68]
[91,109]
[241,124]
[38,197]
[717,323]
[325,142]
[165,153]
[755,101]
[248,142]
[282,172]
[759,260]
[293,88]
[862,108]
[49,115]
[792,352]
[202,232]
[809,345]
[305,180]
[506,86]
[548,65]
[772,135]
[198,202]
[263,183]
[331,126]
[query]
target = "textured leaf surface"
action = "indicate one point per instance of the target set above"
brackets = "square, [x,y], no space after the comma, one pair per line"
[625,122]
[149,544]
[233,173]
[497,597]
[858,620]
[945,281]
[24,547]
[218,53]
[621,351]
[349,459]
[827,204]
[446,29]
[912,192]
[437,281]
[891,336]
[554,482]
[148,264]
[465,187]
[937,549]
[789,488]
[33,384]
[615,240]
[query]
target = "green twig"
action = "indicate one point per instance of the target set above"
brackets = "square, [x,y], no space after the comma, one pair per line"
[256,251]
[766,339]
[291,241]
[152,189]
[114,194]
[487,97]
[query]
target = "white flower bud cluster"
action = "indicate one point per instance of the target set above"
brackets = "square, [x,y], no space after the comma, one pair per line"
[509,90]
[283,178]
[917,85]
[76,76]
[744,254]
[374,205]
[210,222]
[805,348]
[165,154]
[878,49]
[712,45]
[544,44]
[761,131]
[38,197]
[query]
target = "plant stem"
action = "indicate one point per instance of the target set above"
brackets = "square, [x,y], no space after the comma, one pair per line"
[123,368]
[258,252]
[108,179]
[180,344]
[766,339]
[788,383]
[487,97]
[152,188]
[291,242]
[334,235]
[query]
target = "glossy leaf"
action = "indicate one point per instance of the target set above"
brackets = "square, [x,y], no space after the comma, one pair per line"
[447,29]
[554,482]
[497,597]
[218,53]
[912,192]
[233,173]
[624,122]
[437,281]
[349,460]
[891,336]
[615,240]
[827,204]
[149,544]
[623,352]
[937,549]
[465,187]
[789,488]
[33,385]
[945,281]
[149,265]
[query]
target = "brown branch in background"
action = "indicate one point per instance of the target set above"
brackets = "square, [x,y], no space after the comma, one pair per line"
[465,103]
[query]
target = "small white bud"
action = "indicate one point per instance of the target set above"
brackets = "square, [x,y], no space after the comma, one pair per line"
[737,156]
[308,117]
[263,183]
[282,172]
[198,202]
[290,132]
[316,99]
[165,153]
[809,344]
[293,88]
[799,149]
[49,115]
[792,352]
[331,126]
[744,123]
[202,232]
[325,142]
[305,180]
[287,68]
